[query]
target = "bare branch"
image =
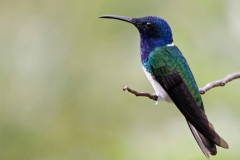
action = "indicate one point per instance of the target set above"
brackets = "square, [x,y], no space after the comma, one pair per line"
[202,90]
[220,82]
[140,94]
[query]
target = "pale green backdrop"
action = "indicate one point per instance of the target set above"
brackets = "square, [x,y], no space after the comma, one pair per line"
[62,70]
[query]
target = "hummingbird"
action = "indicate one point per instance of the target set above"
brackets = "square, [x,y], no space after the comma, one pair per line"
[172,79]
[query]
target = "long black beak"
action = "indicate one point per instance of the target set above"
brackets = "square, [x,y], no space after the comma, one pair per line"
[122,18]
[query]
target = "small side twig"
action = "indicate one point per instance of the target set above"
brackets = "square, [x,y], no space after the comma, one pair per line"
[141,94]
[202,90]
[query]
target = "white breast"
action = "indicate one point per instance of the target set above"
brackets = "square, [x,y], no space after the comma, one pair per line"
[159,91]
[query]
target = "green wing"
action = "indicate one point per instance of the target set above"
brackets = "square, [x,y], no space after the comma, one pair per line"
[170,69]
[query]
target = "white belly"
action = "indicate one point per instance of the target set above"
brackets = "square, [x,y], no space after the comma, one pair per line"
[159,91]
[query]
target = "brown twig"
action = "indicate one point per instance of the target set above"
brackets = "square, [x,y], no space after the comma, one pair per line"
[141,94]
[220,82]
[202,90]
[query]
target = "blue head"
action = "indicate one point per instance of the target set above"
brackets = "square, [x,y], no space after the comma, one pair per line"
[154,32]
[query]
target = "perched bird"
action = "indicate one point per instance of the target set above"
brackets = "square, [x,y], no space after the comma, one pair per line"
[169,74]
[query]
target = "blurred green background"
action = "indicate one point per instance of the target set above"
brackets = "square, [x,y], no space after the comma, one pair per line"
[62,70]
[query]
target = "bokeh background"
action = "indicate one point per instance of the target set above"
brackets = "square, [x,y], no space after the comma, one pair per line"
[62,70]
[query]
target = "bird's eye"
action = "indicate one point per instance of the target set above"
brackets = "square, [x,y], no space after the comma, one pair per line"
[148,25]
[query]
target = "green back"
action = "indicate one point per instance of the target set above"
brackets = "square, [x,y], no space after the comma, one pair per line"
[170,59]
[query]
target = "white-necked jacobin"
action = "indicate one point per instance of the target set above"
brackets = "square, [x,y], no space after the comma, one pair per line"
[169,73]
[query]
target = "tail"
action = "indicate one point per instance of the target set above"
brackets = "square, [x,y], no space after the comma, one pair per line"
[206,146]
